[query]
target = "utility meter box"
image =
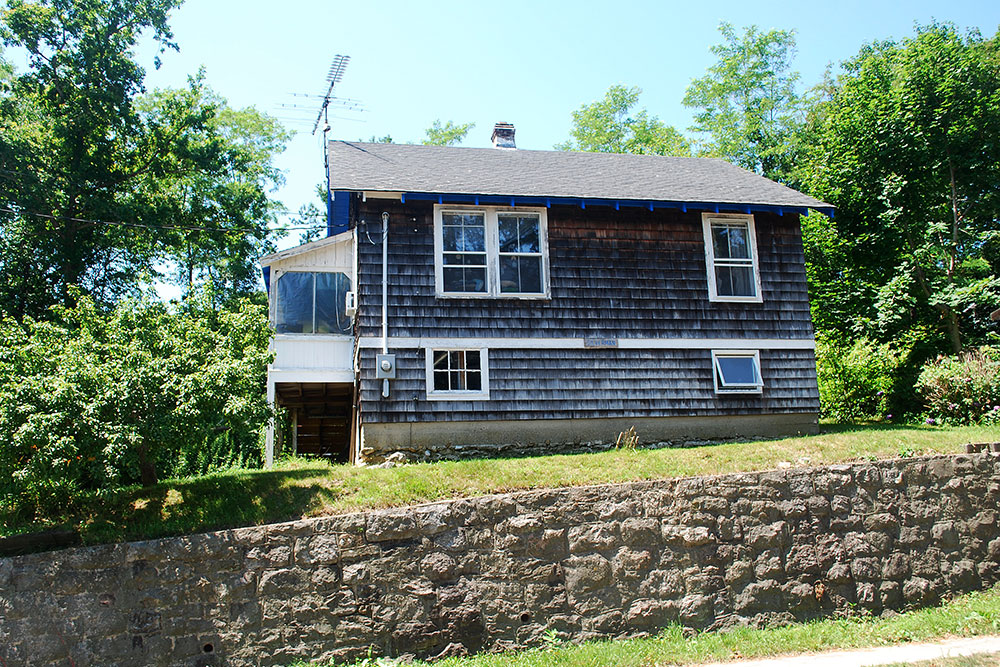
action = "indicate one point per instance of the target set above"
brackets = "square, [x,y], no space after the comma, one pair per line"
[385,367]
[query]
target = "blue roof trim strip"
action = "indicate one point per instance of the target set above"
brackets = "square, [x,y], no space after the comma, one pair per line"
[617,204]
[339,213]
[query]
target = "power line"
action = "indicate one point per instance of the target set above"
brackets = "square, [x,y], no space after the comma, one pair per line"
[140,225]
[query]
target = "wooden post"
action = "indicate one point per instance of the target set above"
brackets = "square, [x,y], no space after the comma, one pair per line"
[295,431]
[269,437]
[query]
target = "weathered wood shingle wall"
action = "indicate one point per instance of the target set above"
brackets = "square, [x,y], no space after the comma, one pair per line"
[615,274]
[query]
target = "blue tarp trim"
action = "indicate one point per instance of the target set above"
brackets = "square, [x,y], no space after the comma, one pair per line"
[265,271]
[338,213]
[506,200]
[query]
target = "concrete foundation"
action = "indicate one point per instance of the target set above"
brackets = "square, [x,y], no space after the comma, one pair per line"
[430,441]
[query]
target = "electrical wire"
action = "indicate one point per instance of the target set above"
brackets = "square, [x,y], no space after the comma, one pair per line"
[140,225]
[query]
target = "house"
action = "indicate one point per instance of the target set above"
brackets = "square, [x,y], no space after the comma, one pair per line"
[470,301]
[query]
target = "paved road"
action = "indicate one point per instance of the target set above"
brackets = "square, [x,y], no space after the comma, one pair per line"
[884,655]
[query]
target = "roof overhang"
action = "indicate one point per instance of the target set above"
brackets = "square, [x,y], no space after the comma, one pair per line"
[617,204]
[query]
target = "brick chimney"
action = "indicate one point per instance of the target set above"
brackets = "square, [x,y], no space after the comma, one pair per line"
[503,135]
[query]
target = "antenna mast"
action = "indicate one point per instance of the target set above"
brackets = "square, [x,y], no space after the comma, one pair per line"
[333,76]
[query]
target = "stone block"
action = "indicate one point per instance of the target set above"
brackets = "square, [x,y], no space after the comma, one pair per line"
[640,532]
[391,525]
[772,536]
[593,537]
[317,549]
[586,573]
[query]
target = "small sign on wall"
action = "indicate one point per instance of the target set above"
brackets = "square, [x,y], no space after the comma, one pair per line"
[600,342]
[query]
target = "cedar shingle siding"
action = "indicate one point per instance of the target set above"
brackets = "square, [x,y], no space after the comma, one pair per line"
[616,274]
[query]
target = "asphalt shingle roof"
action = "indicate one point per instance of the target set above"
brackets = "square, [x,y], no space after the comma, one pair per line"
[529,173]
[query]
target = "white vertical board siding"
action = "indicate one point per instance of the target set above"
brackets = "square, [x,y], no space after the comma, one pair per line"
[313,352]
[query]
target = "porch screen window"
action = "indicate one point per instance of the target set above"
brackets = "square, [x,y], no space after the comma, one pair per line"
[464,252]
[312,303]
[737,372]
[520,253]
[732,261]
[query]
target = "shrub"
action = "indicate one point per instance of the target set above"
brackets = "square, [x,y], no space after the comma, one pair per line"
[856,382]
[964,388]
[101,399]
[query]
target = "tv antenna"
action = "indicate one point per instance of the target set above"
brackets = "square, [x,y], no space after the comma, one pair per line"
[333,76]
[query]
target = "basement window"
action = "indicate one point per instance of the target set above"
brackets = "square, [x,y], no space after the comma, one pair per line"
[312,303]
[737,372]
[731,257]
[490,252]
[457,374]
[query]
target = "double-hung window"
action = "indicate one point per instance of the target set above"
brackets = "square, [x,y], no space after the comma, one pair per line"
[457,374]
[731,258]
[737,372]
[490,252]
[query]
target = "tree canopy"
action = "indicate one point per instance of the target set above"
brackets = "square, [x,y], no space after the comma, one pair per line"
[746,104]
[613,125]
[104,183]
[904,144]
[447,134]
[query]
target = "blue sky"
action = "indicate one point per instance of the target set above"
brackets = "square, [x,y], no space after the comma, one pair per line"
[526,62]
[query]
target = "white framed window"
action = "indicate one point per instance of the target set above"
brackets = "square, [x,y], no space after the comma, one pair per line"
[491,251]
[731,257]
[737,372]
[458,374]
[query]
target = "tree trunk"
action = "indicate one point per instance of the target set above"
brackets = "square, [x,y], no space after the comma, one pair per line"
[147,469]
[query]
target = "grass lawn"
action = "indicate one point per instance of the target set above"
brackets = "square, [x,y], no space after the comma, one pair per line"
[967,616]
[300,488]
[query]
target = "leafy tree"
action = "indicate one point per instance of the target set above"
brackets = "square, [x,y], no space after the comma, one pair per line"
[611,125]
[312,217]
[904,145]
[84,146]
[98,398]
[448,134]
[746,104]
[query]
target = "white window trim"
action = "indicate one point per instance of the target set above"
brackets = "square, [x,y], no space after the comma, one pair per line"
[492,252]
[706,222]
[746,389]
[440,395]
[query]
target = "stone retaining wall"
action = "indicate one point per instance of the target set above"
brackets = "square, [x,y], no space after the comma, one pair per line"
[496,572]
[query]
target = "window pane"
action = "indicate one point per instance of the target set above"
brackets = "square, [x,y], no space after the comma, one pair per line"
[518,233]
[459,279]
[509,274]
[474,380]
[295,303]
[475,240]
[464,259]
[735,281]
[507,226]
[451,237]
[738,370]
[531,274]
[520,274]
[440,361]
[457,383]
[331,292]
[456,359]
[441,380]
[528,234]
[729,240]
[472,361]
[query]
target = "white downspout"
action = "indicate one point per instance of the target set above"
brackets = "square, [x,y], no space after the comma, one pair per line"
[385,295]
